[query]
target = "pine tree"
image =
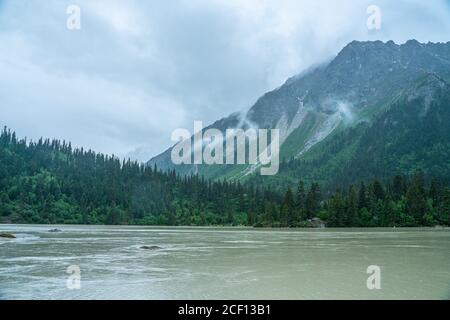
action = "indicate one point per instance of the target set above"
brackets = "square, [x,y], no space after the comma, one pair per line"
[378,190]
[351,210]
[312,203]
[336,210]
[49,182]
[251,218]
[435,192]
[444,210]
[388,218]
[301,201]
[416,204]
[284,214]
[398,187]
[362,196]
[289,207]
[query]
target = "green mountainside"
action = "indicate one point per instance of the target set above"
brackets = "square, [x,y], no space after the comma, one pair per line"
[365,143]
[48,182]
[411,133]
[375,110]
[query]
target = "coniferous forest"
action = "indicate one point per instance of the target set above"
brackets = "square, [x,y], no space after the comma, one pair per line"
[50,182]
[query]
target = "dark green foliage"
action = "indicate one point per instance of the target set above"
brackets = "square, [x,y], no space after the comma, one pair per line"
[408,132]
[336,210]
[435,192]
[288,210]
[399,98]
[301,202]
[376,205]
[398,187]
[49,182]
[444,209]
[313,198]
[351,217]
[416,201]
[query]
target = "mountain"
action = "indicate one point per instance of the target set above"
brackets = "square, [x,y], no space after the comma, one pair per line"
[48,182]
[409,133]
[376,109]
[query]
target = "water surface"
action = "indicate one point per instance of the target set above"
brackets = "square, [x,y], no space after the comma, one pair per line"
[223,263]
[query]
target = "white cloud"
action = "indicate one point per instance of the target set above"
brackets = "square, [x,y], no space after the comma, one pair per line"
[138,70]
[122,17]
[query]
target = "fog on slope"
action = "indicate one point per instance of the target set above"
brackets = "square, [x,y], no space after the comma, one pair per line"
[136,71]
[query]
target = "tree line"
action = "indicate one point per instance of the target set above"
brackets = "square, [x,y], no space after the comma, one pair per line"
[401,202]
[48,181]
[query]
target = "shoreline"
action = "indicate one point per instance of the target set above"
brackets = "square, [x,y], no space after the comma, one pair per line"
[224,227]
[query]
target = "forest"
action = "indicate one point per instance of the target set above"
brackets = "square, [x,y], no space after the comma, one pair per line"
[49,182]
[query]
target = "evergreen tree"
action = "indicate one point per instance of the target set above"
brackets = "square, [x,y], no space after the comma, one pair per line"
[398,187]
[378,190]
[336,210]
[362,196]
[351,209]
[435,192]
[444,209]
[50,182]
[301,201]
[290,207]
[389,214]
[416,204]
[312,203]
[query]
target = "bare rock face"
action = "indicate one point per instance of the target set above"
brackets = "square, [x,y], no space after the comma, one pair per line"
[360,84]
[7,235]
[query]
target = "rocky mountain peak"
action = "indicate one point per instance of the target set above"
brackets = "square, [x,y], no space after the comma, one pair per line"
[362,80]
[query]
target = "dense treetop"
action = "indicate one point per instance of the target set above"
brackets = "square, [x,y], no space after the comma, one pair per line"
[50,182]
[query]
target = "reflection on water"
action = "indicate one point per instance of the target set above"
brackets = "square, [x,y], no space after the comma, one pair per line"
[223,263]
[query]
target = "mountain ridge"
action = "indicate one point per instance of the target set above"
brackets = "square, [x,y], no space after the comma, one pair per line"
[355,86]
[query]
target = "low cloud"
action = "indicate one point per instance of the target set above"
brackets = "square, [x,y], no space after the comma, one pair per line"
[136,71]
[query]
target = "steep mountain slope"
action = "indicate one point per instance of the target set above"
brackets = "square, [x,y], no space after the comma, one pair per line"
[410,133]
[336,105]
[48,182]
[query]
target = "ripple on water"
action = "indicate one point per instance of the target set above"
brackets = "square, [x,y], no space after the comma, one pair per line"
[25,237]
[219,263]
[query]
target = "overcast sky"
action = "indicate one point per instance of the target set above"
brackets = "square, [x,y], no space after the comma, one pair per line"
[137,70]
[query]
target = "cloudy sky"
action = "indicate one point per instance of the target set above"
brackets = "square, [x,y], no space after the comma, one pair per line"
[137,70]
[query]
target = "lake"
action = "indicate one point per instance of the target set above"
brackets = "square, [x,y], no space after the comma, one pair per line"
[222,263]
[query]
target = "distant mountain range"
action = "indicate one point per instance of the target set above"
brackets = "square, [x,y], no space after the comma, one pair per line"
[377,109]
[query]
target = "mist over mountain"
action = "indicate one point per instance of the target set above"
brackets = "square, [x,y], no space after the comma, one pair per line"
[378,108]
[365,143]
